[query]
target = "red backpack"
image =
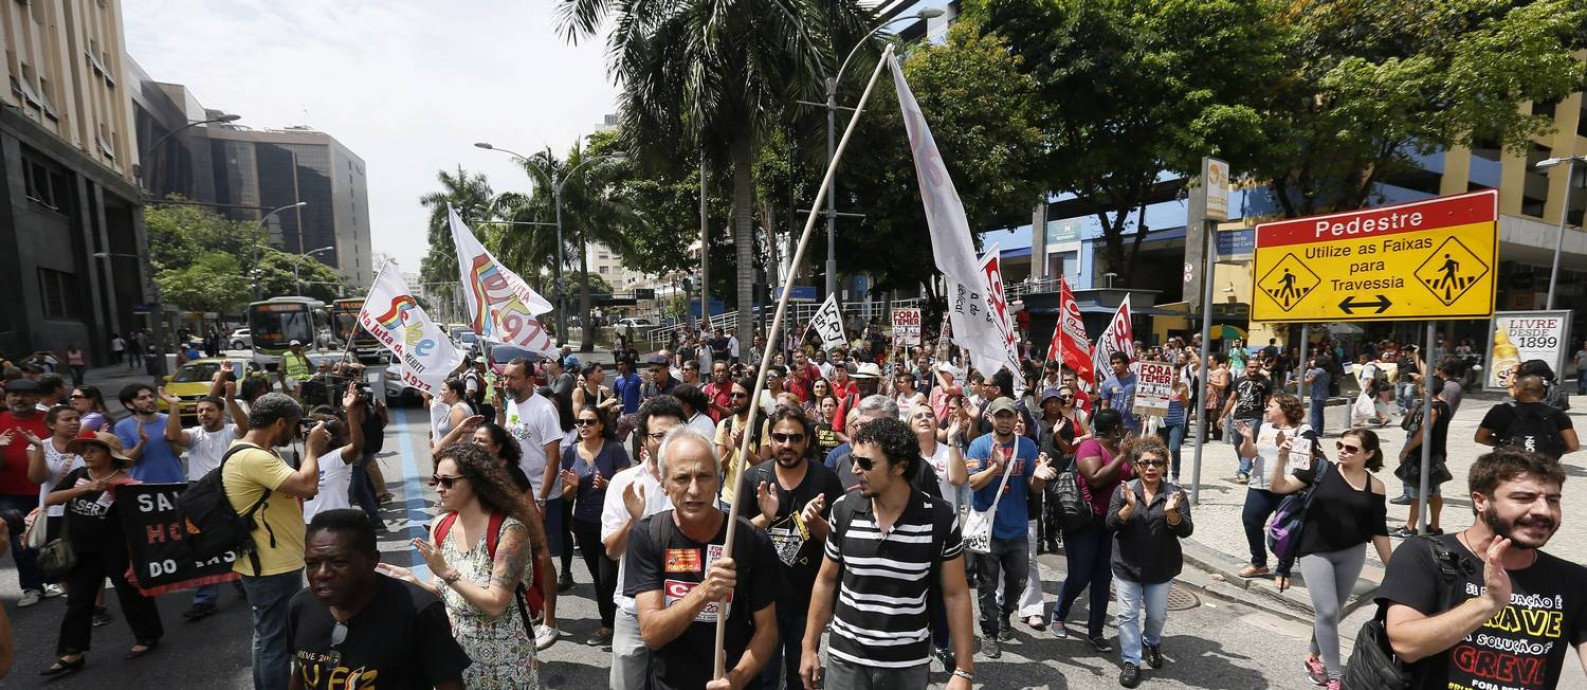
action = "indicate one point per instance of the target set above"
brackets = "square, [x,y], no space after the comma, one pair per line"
[533,596]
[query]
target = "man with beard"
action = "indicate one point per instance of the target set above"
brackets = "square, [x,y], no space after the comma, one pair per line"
[681,577]
[730,433]
[353,627]
[893,557]
[1504,584]
[633,495]
[18,496]
[534,424]
[794,494]
[206,444]
[1006,472]
[719,391]
[143,435]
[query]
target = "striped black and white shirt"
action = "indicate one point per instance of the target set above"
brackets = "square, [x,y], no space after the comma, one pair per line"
[882,617]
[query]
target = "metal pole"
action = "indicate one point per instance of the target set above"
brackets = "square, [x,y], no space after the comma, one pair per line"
[1559,242]
[1427,434]
[1210,253]
[1301,388]
[705,252]
[832,204]
[562,302]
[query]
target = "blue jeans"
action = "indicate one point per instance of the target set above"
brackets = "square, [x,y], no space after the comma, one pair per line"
[1174,436]
[1581,381]
[206,594]
[1259,506]
[272,651]
[790,637]
[1317,415]
[1406,392]
[1131,595]
[14,508]
[363,490]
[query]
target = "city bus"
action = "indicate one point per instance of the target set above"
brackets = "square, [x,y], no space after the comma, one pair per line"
[278,321]
[344,326]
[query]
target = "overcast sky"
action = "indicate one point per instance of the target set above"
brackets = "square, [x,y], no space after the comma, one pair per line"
[408,85]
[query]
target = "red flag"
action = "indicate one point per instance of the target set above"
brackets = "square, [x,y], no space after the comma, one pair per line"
[1119,336]
[1070,345]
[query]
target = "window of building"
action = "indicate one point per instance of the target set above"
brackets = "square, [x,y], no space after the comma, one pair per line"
[1544,108]
[1534,184]
[60,291]
[604,271]
[44,185]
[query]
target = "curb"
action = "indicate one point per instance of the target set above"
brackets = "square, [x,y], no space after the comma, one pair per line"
[1225,583]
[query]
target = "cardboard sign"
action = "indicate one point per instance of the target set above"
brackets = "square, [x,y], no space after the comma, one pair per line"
[1154,384]
[906,326]
[161,561]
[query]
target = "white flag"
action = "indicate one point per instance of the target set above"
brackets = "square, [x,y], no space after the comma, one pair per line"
[992,271]
[828,323]
[501,307]
[969,308]
[420,346]
[1118,337]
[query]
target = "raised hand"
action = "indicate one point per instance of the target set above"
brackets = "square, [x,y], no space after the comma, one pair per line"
[169,398]
[812,510]
[229,389]
[634,500]
[350,398]
[1044,468]
[32,439]
[1495,579]
[766,497]
[432,556]
[600,480]
[1174,501]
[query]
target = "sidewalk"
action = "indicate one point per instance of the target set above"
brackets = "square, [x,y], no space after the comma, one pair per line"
[1219,546]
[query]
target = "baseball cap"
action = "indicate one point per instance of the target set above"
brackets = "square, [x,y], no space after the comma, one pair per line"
[22,386]
[1002,405]
[570,362]
[295,343]
[1050,393]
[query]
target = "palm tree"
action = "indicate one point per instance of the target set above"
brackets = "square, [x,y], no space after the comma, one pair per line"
[470,194]
[713,78]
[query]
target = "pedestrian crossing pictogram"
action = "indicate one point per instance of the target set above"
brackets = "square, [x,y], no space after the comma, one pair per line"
[1450,271]
[1289,282]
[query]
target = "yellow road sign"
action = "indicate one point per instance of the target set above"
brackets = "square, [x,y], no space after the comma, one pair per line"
[1432,259]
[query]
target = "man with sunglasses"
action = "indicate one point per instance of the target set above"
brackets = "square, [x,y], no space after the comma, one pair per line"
[894,556]
[353,628]
[793,496]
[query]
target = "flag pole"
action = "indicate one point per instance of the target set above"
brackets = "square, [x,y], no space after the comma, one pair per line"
[777,322]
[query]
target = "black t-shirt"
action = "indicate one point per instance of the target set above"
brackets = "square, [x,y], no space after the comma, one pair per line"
[1250,396]
[401,641]
[1523,647]
[1340,516]
[1501,417]
[660,556]
[826,439]
[797,550]
[92,521]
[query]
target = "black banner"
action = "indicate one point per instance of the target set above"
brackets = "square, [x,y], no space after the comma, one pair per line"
[160,559]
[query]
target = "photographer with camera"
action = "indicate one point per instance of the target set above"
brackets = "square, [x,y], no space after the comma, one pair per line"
[338,445]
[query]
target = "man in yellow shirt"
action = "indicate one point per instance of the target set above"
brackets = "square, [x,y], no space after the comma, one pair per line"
[274,571]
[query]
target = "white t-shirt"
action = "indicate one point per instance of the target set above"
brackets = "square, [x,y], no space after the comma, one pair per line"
[1267,451]
[702,423]
[336,477]
[59,464]
[614,514]
[938,461]
[534,423]
[206,449]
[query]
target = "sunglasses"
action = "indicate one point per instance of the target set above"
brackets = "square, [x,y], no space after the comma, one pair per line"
[866,464]
[1153,463]
[657,436]
[787,438]
[79,397]
[736,396]
[444,482]
[338,637]
[586,422]
[1344,448]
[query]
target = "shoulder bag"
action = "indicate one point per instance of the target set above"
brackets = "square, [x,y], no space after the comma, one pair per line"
[978,524]
[1373,665]
[58,558]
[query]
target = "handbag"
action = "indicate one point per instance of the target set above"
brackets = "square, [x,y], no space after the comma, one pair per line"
[37,533]
[1410,471]
[1071,509]
[977,531]
[58,559]
[1373,665]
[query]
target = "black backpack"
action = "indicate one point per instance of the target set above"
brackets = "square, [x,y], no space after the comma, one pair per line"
[213,526]
[1532,429]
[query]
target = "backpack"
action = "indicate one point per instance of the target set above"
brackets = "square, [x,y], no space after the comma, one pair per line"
[530,598]
[1284,532]
[1532,429]
[1373,665]
[1070,502]
[213,527]
[1556,397]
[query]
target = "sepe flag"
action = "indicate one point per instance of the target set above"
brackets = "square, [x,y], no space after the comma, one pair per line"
[419,345]
[970,308]
[1070,345]
[1118,337]
[501,307]
[992,269]
[828,323]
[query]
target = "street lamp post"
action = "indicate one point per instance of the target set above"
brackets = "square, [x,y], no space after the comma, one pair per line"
[556,201]
[1564,213]
[156,312]
[262,221]
[832,134]
[298,279]
[144,154]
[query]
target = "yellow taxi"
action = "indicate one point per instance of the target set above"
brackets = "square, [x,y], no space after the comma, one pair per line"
[191,382]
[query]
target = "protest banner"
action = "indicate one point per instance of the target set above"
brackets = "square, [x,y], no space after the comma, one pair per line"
[417,343]
[1119,336]
[1154,383]
[161,561]
[501,306]
[828,324]
[906,326]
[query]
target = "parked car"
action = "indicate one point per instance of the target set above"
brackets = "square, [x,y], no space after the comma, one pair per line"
[398,393]
[241,339]
[640,324]
[498,356]
[191,382]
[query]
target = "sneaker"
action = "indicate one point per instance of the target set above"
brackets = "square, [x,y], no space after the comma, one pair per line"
[1130,676]
[30,597]
[1316,671]
[1333,684]
[1100,643]
[1058,630]
[990,648]
[102,617]
[1251,571]
[1402,533]
[1401,500]
[52,591]
[564,581]
[1006,634]
[601,638]
[1435,531]
[1242,478]
[545,637]
[198,611]
[1154,656]
[945,656]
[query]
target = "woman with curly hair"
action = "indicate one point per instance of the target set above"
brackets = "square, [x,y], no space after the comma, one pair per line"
[1259,446]
[478,584]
